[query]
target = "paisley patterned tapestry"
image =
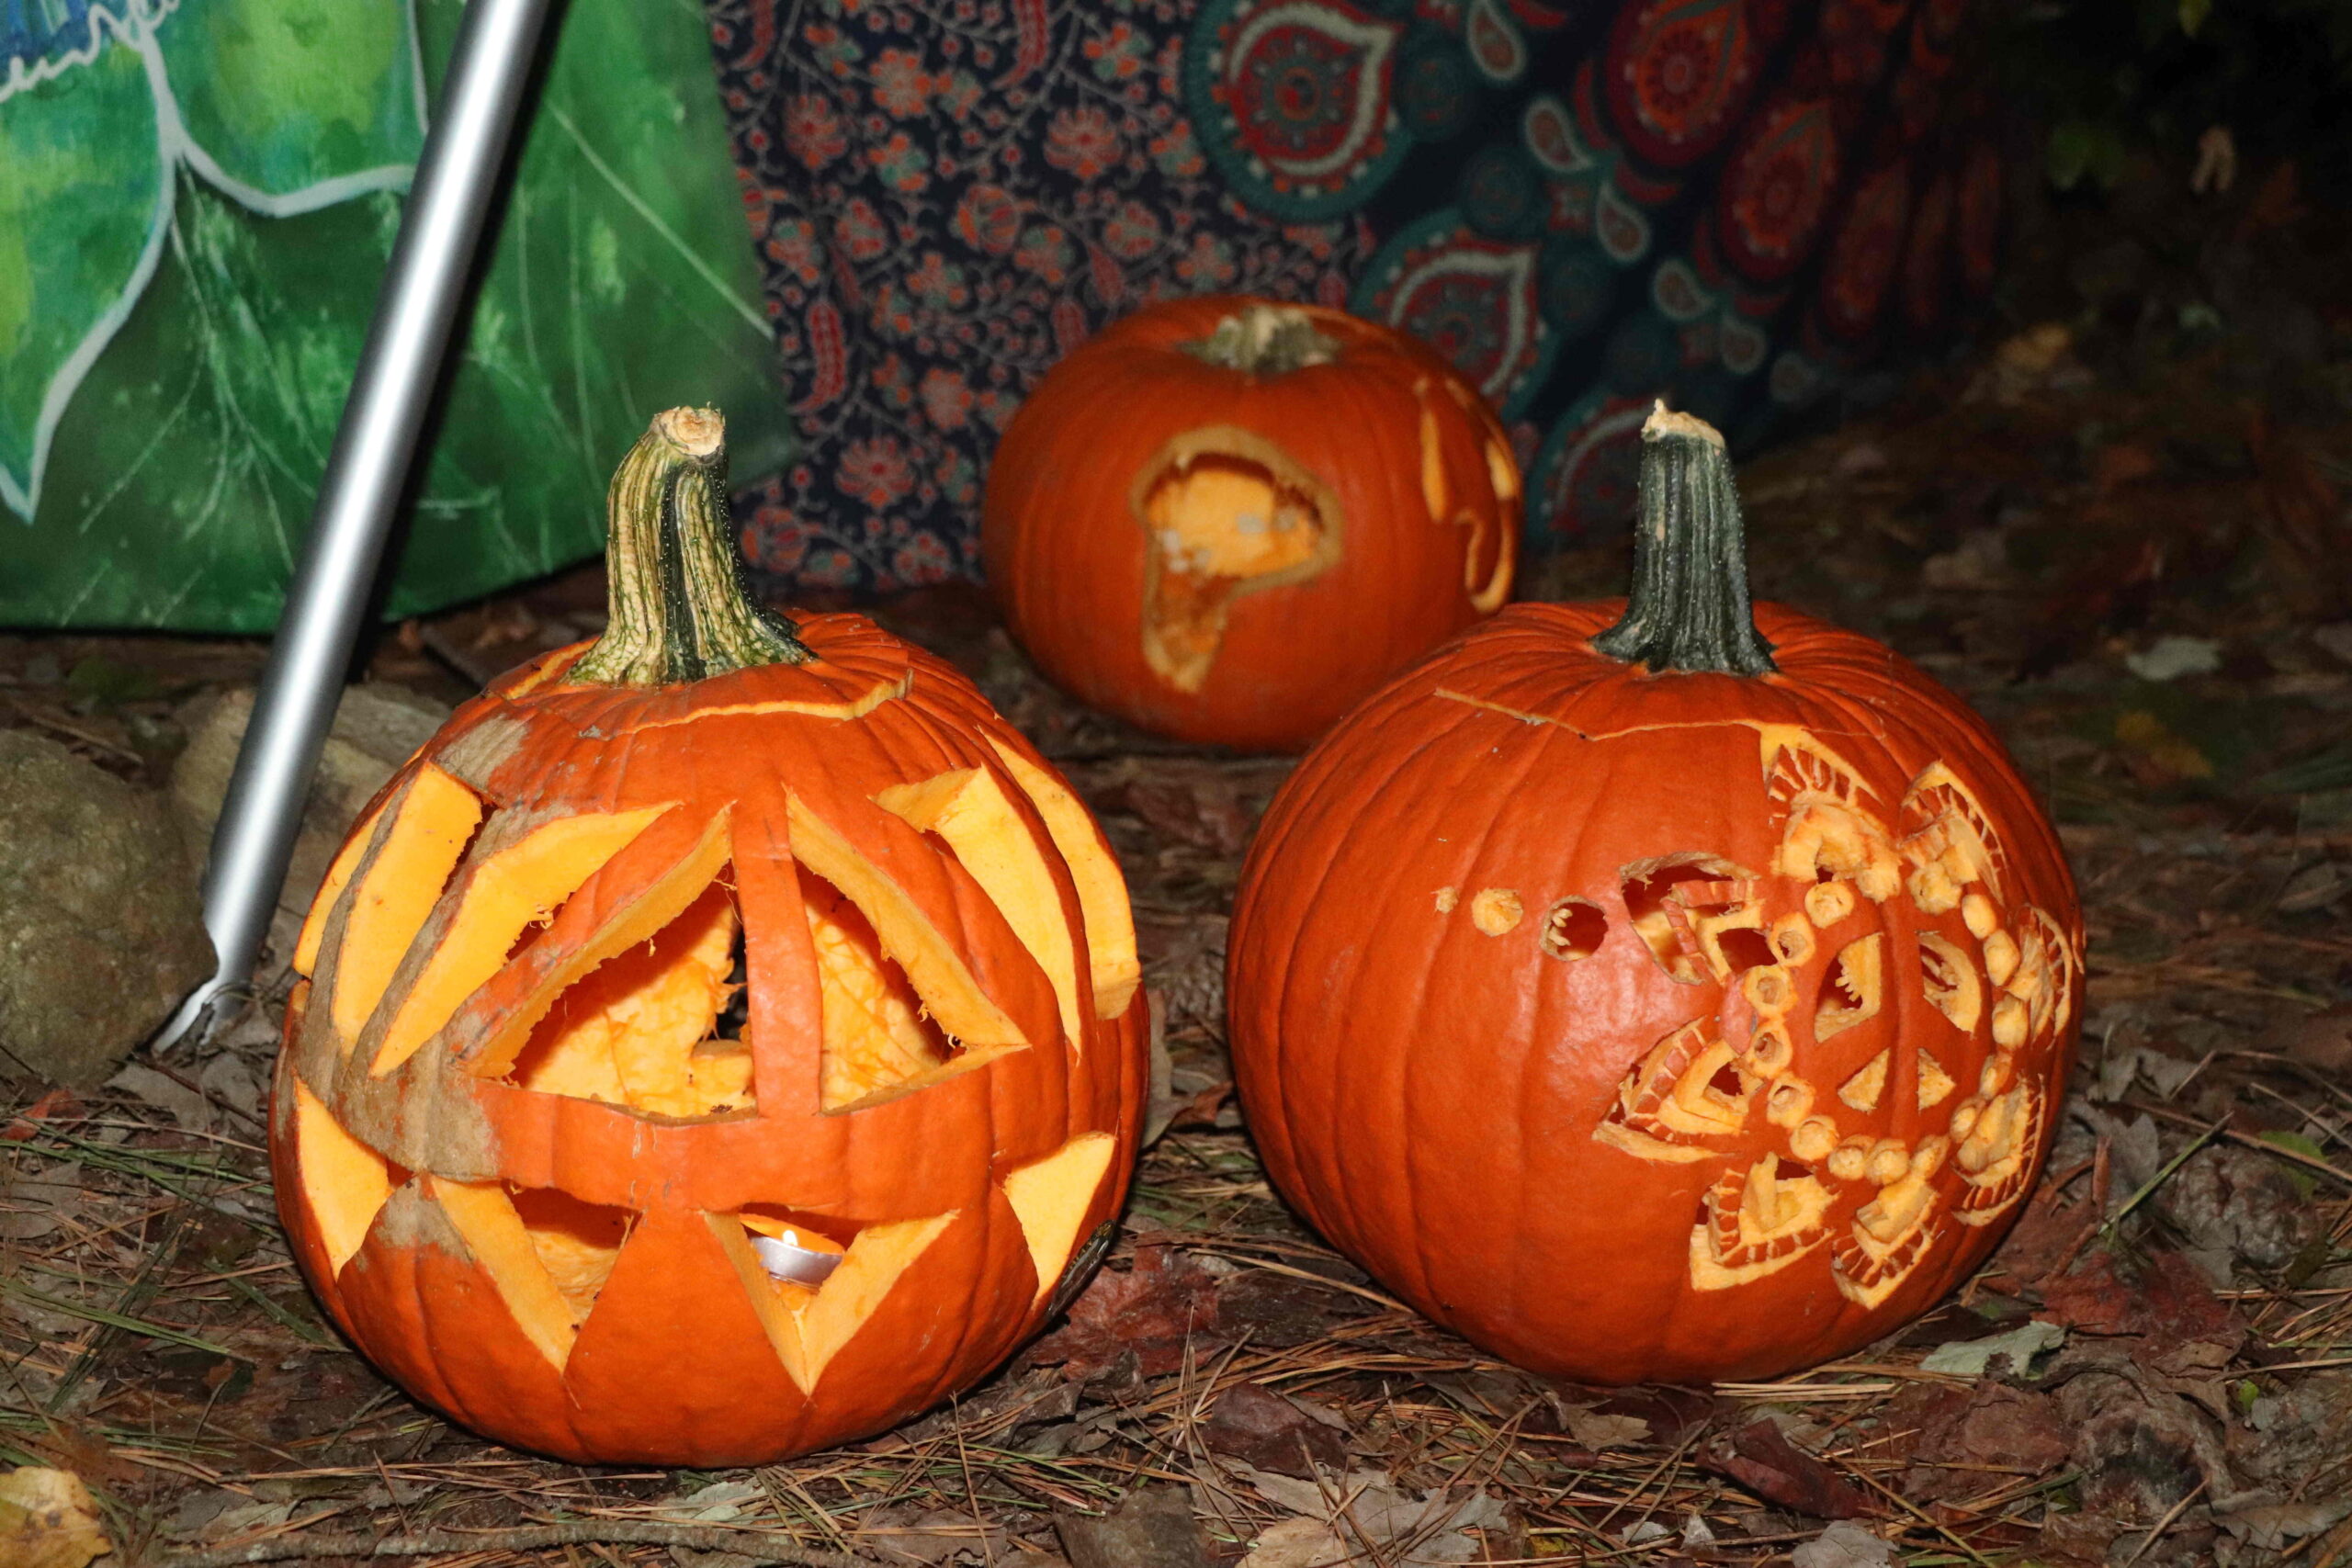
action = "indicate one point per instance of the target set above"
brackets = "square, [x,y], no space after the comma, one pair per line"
[198,199]
[1732,203]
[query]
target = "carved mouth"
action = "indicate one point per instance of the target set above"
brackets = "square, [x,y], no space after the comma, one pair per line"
[1225,512]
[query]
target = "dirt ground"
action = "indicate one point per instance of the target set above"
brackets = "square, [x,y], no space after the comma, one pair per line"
[2121,532]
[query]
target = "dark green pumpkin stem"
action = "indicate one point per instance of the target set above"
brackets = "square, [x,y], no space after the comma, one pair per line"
[1266,339]
[679,609]
[1688,608]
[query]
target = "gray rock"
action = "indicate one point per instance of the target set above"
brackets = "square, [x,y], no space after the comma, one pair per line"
[101,928]
[378,726]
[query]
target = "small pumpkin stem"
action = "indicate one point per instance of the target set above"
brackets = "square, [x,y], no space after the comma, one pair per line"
[679,611]
[1689,609]
[1266,339]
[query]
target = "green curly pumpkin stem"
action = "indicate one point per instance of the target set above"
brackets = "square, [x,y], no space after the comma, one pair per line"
[679,611]
[1689,609]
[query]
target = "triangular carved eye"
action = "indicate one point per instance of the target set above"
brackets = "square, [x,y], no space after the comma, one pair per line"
[547,1253]
[808,1324]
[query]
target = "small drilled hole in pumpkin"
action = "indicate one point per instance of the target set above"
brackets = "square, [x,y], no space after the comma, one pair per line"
[1795,1170]
[1573,929]
[644,1028]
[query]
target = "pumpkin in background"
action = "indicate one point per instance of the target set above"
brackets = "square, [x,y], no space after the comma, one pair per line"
[719,1041]
[1228,520]
[1685,997]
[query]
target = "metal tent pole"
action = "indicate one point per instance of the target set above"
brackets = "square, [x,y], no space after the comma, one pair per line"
[416,313]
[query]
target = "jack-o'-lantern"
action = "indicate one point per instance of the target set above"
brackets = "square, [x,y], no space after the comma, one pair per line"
[1228,520]
[721,1039]
[1658,990]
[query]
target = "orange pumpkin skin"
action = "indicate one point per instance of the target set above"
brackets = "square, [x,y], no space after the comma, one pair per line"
[1509,1110]
[1260,641]
[409,1193]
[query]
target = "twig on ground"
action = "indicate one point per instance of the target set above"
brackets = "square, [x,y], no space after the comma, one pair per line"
[759,1545]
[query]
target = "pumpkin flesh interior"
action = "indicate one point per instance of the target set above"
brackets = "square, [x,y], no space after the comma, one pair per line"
[1113,966]
[880,1039]
[936,971]
[338,878]
[437,818]
[969,808]
[638,1029]
[345,1182]
[1225,512]
[524,884]
[809,1326]
[1050,1197]
[547,1253]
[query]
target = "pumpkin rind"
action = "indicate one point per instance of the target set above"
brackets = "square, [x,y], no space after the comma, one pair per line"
[1231,541]
[661,1354]
[1769,1057]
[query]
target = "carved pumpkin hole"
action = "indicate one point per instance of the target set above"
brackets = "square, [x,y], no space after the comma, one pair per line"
[968,811]
[547,1253]
[1727,1082]
[1853,991]
[528,881]
[815,1282]
[882,1035]
[1114,969]
[1573,929]
[1685,908]
[643,1029]
[345,1182]
[577,1243]
[1224,511]
[432,829]
[1745,948]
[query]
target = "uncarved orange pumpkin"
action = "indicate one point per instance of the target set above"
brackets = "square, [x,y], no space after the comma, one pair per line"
[1228,520]
[720,1040]
[1652,992]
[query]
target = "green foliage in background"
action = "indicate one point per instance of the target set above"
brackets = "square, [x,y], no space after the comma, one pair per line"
[192,233]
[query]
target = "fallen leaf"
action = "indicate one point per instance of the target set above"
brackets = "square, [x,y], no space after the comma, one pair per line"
[1153,1528]
[1844,1545]
[1160,1306]
[1297,1543]
[185,1105]
[1973,1357]
[2170,658]
[56,1105]
[1425,1528]
[2167,1301]
[904,1533]
[1598,1429]
[1270,1431]
[48,1520]
[2275,1526]
[1761,1458]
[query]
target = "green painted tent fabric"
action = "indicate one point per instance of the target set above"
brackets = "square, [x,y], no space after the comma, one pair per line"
[198,202]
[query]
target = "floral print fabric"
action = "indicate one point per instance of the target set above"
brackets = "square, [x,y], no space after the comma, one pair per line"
[947,198]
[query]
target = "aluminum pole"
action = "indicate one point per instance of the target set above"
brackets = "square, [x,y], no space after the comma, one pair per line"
[416,313]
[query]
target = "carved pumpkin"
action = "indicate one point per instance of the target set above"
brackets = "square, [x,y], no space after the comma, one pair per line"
[1688,998]
[1228,520]
[721,1039]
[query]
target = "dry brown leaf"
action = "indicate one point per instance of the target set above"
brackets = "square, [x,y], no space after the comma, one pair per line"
[48,1520]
